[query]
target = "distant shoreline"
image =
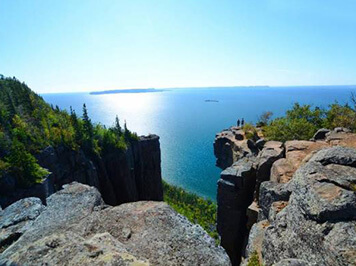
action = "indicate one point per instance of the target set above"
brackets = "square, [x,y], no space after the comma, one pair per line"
[126,91]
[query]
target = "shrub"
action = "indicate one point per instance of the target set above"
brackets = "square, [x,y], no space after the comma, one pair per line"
[254,260]
[249,130]
[264,118]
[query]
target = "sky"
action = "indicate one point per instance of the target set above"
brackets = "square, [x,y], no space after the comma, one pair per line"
[67,46]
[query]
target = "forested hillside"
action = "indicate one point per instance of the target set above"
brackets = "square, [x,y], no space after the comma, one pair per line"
[28,124]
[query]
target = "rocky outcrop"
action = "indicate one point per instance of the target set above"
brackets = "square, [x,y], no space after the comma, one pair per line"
[121,176]
[235,194]
[319,223]
[304,191]
[77,228]
[271,152]
[295,152]
[232,144]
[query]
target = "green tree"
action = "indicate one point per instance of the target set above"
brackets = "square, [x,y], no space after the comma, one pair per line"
[88,128]
[341,116]
[117,127]
[264,119]
[78,129]
[300,122]
[23,165]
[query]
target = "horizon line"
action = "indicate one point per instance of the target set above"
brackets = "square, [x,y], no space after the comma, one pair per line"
[204,87]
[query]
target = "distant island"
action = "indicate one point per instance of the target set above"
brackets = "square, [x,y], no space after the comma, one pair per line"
[126,91]
[211,101]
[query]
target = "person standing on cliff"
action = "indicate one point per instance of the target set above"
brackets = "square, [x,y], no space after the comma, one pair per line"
[242,122]
[238,122]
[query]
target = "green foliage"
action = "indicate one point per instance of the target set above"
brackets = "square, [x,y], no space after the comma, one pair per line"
[197,209]
[24,166]
[28,125]
[283,129]
[341,116]
[253,260]
[250,131]
[264,118]
[302,121]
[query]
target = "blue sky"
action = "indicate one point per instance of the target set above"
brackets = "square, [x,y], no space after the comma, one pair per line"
[61,46]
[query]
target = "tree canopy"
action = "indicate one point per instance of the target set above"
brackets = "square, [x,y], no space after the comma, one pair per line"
[28,124]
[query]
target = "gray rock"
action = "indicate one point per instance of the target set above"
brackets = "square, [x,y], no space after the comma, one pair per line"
[336,155]
[276,207]
[231,145]
[255,239]
[318,225]
[292,262]
[260,143]
[271,192]
[158,234]
[235,194]
[20,211]
[76,228]
[326,193]
[342,129]
[272,151]
[16,218]
[321,134]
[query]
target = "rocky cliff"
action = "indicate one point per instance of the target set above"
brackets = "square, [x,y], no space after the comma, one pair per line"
[121,176]
[77,228]
[299,197]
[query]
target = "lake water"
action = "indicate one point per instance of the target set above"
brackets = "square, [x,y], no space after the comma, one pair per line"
[187,124]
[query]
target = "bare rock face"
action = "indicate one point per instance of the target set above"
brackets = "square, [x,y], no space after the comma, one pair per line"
[296,151]
[231,145]
[305,190]
[271,152]
[76,228]
[271,192]
[120,176]
[317,226]
[235,194]
[16,218]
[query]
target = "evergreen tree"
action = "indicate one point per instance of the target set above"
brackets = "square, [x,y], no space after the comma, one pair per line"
[126,132]
[88,128]
[117,127]
[24,166]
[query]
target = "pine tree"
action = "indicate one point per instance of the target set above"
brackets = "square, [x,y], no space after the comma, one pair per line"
[117,127]
[77,126]
[126,132]
[88,128]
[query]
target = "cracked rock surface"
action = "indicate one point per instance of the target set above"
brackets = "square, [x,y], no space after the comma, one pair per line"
[77,228]
[317,226]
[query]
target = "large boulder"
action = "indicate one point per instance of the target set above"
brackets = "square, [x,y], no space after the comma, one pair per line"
[16,218]
[271,192]
[321,134]
[77,228]
[296,152]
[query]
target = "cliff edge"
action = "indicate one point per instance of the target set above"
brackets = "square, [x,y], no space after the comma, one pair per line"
[292,203]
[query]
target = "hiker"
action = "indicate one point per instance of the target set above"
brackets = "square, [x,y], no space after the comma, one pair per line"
[238,122]
[242,122]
